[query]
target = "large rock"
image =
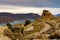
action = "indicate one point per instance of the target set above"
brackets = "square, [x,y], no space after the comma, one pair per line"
[46,15]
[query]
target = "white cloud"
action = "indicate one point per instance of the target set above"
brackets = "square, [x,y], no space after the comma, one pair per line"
[18,9]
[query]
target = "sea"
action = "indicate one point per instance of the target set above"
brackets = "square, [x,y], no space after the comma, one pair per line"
[16,22]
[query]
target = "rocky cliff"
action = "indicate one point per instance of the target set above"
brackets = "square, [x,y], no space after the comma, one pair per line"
[46,15]
[9,17]
[47,24]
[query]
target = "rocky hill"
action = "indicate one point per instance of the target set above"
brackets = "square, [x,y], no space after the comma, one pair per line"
[8,17]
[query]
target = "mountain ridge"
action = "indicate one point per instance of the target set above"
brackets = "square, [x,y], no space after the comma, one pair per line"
[8,17]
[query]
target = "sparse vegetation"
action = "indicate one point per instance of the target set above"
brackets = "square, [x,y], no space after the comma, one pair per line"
[9,25]
[27,22]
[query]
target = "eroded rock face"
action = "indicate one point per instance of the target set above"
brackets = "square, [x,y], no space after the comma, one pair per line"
[46,18]
[13,34]
[46,24]
[2,36]
[46,15]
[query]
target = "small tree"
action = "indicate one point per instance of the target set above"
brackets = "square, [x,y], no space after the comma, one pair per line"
[9,25]
[27,22]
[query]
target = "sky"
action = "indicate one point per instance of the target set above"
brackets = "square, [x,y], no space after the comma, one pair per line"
[26,6]
[32,3]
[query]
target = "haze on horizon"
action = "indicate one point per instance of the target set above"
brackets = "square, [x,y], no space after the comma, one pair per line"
[29,6]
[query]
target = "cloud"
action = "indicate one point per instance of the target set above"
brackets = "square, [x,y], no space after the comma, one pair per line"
[17,9]
[35,3]
[32,3]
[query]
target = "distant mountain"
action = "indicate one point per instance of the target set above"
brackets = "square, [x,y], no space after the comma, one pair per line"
[8,17]
[57,15]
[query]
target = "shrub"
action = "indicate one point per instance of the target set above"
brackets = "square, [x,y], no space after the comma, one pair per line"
[27,22]
[9,25]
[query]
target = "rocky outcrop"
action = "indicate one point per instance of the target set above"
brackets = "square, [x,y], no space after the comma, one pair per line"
[45,25]
[2,37]
[46,15]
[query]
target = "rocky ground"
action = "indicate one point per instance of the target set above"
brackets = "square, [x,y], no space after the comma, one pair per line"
[46,27]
